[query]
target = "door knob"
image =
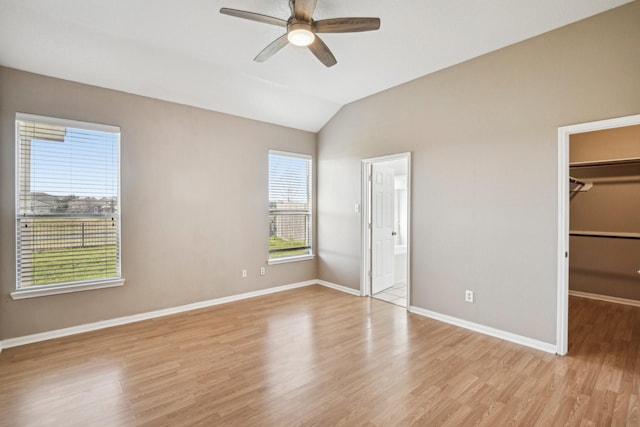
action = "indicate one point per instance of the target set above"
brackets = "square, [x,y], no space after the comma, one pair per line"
[393,233]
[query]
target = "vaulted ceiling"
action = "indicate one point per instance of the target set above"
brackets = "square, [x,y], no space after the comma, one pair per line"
[187,52]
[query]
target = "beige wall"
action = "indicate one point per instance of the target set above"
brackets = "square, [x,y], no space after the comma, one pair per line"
[194,203]
[484,140]
[596,265]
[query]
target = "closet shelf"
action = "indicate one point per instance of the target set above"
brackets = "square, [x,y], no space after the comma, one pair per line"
[605,234]
[611,162]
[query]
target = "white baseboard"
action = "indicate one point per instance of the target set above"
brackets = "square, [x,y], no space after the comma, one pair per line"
[476,327]
[58,333]
[29,339]
[606,298]
[341,288]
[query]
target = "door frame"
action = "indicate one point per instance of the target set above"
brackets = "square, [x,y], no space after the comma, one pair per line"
[564,134]
[365,191]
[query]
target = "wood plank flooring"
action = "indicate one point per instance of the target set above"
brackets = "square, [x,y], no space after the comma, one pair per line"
[315,356]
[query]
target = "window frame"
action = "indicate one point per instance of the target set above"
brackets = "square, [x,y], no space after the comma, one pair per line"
[67,287]
[311,185]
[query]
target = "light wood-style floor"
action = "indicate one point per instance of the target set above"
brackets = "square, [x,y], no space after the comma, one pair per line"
[315,356]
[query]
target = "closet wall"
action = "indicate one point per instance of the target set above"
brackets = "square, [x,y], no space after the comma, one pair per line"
[606,266]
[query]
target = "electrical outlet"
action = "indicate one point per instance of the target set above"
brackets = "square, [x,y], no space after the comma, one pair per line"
[244,273]
[263,271]
[468,295]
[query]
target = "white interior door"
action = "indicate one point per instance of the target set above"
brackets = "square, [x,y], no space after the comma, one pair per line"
[382,233]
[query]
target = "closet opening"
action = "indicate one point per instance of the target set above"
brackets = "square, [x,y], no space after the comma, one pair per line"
[386,190]
[599,227]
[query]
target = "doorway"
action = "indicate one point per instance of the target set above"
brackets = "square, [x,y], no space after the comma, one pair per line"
[565,183]
[386,195]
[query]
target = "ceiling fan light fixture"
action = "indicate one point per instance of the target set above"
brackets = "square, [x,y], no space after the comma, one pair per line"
[300,34]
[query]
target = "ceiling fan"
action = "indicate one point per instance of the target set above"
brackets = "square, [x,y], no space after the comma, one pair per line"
[302,30]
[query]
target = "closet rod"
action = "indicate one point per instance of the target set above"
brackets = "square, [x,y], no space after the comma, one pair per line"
[606,235]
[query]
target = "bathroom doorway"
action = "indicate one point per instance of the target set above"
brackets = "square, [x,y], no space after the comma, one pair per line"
[386,197]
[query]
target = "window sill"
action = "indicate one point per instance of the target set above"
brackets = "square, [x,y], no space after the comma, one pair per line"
[285,260]
[41,291]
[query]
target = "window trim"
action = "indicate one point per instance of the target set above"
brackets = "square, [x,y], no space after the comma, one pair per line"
[63,288]
[292,258]
[311,254]
[44,290]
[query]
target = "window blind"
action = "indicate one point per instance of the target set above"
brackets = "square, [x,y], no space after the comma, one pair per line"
[290,209]
[67,219]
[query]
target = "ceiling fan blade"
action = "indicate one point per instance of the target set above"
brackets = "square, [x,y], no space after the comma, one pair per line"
[254,16]
[346,25]
[272,49]
[304,9]
[322,52]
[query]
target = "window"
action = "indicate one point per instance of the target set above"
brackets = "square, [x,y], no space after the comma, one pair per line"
[290,218]
[68,204]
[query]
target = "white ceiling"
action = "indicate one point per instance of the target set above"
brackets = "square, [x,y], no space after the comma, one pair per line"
[187,52]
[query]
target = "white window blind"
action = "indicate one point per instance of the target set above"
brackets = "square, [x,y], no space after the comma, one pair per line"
[68,199]
[290,197]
